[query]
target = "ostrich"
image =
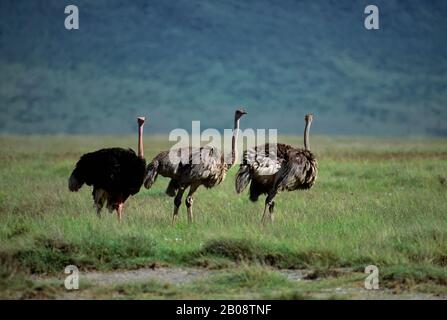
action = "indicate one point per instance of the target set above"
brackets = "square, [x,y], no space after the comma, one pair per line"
[114,173]
[291,169]
[204,166]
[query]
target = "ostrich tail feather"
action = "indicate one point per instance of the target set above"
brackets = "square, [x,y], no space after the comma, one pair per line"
[243,178]
[151,175]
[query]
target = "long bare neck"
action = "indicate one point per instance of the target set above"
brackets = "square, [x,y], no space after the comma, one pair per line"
[234,142]
[306,135]
[140,142]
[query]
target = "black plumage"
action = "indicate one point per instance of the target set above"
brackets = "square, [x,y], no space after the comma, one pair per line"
[114,173]
[118,172]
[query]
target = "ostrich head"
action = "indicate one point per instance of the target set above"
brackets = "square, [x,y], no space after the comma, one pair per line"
[141,120]
[239,113]
[309,117]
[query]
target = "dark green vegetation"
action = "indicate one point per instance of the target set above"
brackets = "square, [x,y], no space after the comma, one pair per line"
[376,201]
[178,61]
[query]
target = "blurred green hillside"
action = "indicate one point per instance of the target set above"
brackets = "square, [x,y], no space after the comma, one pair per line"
[177,61]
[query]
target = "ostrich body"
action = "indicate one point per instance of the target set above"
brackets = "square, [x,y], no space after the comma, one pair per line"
[114,173]
[205,166]
[292,169]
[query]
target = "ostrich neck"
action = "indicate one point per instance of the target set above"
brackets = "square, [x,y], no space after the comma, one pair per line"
[306,136]
[234,142]
[140,142]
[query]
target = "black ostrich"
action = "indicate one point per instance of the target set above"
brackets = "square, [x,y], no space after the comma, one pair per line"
[114,173]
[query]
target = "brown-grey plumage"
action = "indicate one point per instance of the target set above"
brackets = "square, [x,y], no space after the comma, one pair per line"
[277,167]
[114,173]
[205,166]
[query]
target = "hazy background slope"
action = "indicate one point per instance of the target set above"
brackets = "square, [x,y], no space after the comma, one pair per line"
[178,61]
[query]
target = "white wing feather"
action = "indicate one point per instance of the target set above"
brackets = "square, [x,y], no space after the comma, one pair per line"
[261,164]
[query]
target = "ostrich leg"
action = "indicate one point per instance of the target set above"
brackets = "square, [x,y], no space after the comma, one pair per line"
[99,198]
[177,203]
[270,205]
[119,210]
[189,201]
[264,215]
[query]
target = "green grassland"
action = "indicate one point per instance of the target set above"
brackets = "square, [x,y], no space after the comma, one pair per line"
[376,201]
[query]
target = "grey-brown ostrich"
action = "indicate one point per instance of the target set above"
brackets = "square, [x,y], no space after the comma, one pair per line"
[292,169]
[205,166]
[114,173]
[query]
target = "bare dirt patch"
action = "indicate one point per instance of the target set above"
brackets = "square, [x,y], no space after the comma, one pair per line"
[168,275]
[177,276]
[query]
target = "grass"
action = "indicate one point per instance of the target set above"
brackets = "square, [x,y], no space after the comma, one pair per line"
[376,201]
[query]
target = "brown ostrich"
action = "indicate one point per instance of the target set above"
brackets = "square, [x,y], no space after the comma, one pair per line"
[205,166]
[114,173]
[292,169]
